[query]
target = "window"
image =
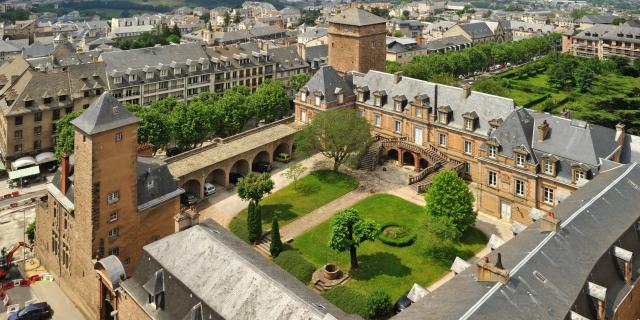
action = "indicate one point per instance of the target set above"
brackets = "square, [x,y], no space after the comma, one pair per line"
[37,131]
[419,112]
[520,159]
[442,140]
[397,106]
[205,66]
[549,167]
[377,120]
[126,261]
[397,126]
[118,136]
[37,144]
[114,232]
[163,85]
[176,71]
[579,174]
[493,179]
[113,197]
[303,116]
[114,251]
[17,148]
[519,188]
[468,124]
[62,98]
[18,120]
[373,44]
[56,114]
[318,100]
[68,110]
[548,195]
[149,75]
[132,77]
[492,152]
[303,96]
[113,216]
[443,117]
[467,168]
[28,103]
[18,134]
[193,68]
[360,97]
[37,116]
[117,80]
[467,147]
[340,98]
[164,72]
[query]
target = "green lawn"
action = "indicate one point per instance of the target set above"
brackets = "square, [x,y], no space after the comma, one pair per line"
[383,267]
[313,191]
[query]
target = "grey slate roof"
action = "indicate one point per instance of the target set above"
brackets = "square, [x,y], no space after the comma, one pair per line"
[105,113]
[8,47]
[516,131]
[139,58]
[326,80]
[601,214]
[446,42]
[477,30]
[356,17]
[155,183]
[624,33]
[207,264]
[604,19]
[37,49]
[287,58]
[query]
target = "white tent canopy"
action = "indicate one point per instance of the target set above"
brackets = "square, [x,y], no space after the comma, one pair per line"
[23,162]
[45,157]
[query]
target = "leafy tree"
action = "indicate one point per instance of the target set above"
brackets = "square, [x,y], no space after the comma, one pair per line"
[487,14]
[583,77]
[253,187]
[191,124]
[155,124]
[254,222]
[66,134]
[444,78]
[619,20]
[449,201]
[561,72]
[227,19]
[31,231]
[298,81]
[337,134]
[270,102]
[175,30]
[493,86]
[309,17]
[349,230]
[205,17]
[276,243]
[379,305]
[384,13]
[173,39]
[231,112]
[398,34]
[294,171]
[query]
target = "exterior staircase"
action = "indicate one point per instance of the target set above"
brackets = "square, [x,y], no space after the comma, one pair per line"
[264,245]
[369,160]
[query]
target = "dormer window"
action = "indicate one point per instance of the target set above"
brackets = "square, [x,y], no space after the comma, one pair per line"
[132,77]
[318,98]
[443,114]
[579,172]
[340,95]
[193,68]
[177,71]
[418,112]
[468,124]
[379,97]
[520,160]
[149,75]
[470,120]
[303,94]
[493,151]
[399,103]
[363,93]
[205,66]
[155,290]
[117,80]
[360,96]
[164,73]
[549,165]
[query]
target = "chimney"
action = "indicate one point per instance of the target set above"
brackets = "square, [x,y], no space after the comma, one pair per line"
[489,272]
[419,40]
[64,167]
[549,223]
[397,76]
[543,129]
[466,90]
[620,133]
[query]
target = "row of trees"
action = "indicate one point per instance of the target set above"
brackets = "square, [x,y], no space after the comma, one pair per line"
[190,124]
[162,35]
[448,65]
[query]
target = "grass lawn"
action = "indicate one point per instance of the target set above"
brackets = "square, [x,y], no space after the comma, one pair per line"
[313,191]
[383,267]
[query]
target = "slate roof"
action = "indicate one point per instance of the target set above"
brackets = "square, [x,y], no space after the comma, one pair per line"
[447,42]
[8,47]
[326,80]
[37,49]
[139,58]
[477,30]
[623,33]
[287,58]
[549,270]
[105,113]
[206,264]
[356,17]
[155,183]
[516,131]
[604,19]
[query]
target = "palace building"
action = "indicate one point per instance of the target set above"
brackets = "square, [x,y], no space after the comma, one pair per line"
[521,162]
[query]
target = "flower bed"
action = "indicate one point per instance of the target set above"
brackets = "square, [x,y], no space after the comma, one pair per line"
[396,235]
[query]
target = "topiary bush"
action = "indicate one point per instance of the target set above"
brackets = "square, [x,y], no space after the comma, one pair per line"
[254,223]
[396,235]
[379,305]
[347,299]
[296,265]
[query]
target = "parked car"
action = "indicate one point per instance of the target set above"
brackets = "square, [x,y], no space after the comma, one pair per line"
[261,167]
[209,189]
[188,198]
[173,152]
[403,303]
[283,157]
[235,177]
[35,311]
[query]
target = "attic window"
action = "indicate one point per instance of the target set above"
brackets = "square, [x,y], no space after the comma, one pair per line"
[492,151]
[132,77]
[155,290]
[205,66]
[164,72]
[117,80]
[579,172]
[520,159]
[149,75]
[443,114]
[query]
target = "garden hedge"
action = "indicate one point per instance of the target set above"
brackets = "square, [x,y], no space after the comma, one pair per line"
[404,241]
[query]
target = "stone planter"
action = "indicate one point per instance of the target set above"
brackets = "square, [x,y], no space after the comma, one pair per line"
[331,271]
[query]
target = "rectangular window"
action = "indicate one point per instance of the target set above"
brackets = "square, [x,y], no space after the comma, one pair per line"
[114,232]
[519,188]
[419,112]
[113,197]
[68,110]
[548,195]
[113,216]
[37,117]
[62,98]
[118,136]
[467,168]
[579,174]
[149,75]
[318,101]
[117,80]
[303,116]
[126,262]
[114,251]
[18,134]
[37,131]
[548,167]
[520,159]
[467,147]
[397,126]
[373,44]
[442,140]
[17,148]
[468,124]
[443,117]
[164,73]
[18,120]
[377,120]
[493,179]
[56,114]
[37,144]
[492,152]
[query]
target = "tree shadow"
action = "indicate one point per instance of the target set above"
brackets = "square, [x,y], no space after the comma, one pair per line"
[282,210]
[372,265]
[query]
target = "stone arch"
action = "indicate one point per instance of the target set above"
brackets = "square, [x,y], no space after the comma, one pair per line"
[408,158]
[393,154]
[283,147]
[262,156]
[194,186]
[240,167]
[423,163]
[217,177]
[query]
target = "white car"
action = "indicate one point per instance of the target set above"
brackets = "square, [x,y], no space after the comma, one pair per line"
[209,189]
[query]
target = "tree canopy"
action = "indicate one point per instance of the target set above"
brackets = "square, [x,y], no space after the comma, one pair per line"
[449,206]
[270,102]
[337,134]
[349,230]
[255,186]
[66,134]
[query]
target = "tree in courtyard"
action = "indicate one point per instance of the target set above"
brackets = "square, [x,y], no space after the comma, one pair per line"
[294,171]
[276,243]
[298,81]
[66,134]
[349,230]
[270,102]
[254,222]
[449,206]
[337,134]
[190,124]
[253,187]
[379,305]
[231,112]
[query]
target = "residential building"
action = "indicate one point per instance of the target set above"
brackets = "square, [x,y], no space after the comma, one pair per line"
[603,41]
[288,63]
[402,50]
[8,51]
[524,30]
[446,44]
[163,288]
[436,30]
[313,36]
[106,202]
[590,21]
[243,64]
[408,28]
[480,32]
[153,20]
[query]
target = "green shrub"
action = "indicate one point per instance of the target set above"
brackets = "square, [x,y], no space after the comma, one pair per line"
[276,243]
[397,235]
[31,231]
[347,299]
[254,223]
[379,305]
[296,265]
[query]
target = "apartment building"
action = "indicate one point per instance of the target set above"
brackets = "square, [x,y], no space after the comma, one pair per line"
[480,32]
[242,64]
[408,28]
[603,41]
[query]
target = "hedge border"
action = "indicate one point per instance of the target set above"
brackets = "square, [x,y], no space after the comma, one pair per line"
[407,240]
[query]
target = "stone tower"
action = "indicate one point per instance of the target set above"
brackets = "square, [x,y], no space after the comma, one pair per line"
[357,41]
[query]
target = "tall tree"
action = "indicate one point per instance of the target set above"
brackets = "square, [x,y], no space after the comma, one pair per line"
[298,81]
[337,134]
[276,243]
[155,124]
[253,187]
[349,230]
[66,134]
[191,124]
[270,102]
[449,204]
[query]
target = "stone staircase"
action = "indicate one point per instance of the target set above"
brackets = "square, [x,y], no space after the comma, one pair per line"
[264,245]
[369,160]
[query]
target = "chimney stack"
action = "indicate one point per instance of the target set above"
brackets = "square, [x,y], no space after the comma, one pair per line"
[419,40]
[549,223]
[397,76]
[466,90]
[64,167]
[620,133]
[489,272]
[543,129]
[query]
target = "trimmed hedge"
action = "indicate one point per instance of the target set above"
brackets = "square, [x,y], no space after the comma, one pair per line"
[295,264]
[408,239]
[348,300]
